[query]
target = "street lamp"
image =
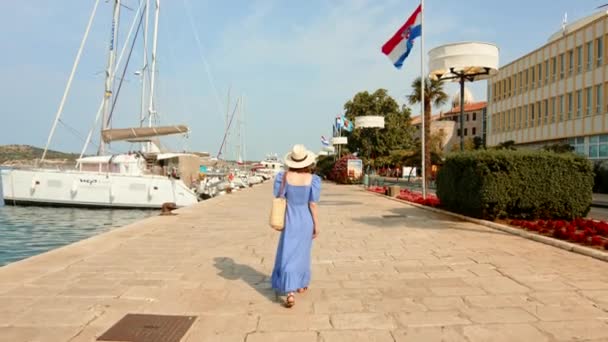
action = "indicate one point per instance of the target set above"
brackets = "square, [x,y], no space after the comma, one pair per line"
[369,121]
[461,62]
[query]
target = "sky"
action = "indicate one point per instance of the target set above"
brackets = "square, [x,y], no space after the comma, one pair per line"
[294,63]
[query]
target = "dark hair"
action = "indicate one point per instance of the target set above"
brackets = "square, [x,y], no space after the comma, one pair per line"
[306,169]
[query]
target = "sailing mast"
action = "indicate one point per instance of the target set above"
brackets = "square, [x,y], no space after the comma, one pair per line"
[227,127]
[151,108]
[239,122]
[144,68]
[109,74]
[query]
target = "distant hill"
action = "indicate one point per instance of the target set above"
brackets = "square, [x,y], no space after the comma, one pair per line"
[26,155]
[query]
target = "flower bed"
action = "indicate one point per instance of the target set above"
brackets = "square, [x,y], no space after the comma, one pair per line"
[410,196]
[377,189]
[581,231]
[416,197]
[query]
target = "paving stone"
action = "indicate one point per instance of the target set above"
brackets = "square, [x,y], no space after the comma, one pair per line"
[442,303]
[500,301]
[431,318]
[356,336]
[504,333]
[588,330]
[439,333]
[499,315]
[293,323]
[354,321]
[561,313]
[329,306]
[37,334]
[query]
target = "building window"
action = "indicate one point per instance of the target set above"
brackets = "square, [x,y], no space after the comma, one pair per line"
[532,115]
[579,59]
[553,68]
[458,129]
[540,74]
[588,101]
[578,144]
[533,78]
[579,103]
[525,116]
[553,108]
[466,115]
[589,56]
[499,93]
[526,83]
[603,146]
[521,78]
[599,45]
[465,130]
[598,146]
[598,99]
[546,105]
[518,123]
[474,130]
[570,106]
[474,116]
[561,66]
[570,62]
[561,108]
[547,71]
[514,84]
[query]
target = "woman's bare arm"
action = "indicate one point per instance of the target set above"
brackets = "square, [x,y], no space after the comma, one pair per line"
[313,212]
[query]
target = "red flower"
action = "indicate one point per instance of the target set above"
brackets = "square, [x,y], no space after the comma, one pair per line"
[597,240]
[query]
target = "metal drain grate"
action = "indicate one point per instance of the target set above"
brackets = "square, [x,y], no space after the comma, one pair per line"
[148,328]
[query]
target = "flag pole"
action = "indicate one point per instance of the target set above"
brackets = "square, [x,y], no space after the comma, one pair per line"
[422,86]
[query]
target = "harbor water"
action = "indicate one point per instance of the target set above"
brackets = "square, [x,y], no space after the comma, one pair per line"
[28,231]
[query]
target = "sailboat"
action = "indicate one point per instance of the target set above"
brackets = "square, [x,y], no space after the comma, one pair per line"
[141,179]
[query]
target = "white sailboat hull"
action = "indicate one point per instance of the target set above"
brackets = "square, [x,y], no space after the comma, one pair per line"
[92,189]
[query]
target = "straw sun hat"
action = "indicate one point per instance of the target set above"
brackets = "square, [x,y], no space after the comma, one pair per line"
[299,157]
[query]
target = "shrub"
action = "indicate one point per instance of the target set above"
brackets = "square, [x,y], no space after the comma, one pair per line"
[516,184]
[339,172]
[324,166]
[601,177]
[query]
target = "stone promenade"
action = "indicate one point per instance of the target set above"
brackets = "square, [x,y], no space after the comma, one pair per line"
[382,271]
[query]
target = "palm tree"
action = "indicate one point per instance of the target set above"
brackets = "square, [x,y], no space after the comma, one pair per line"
[433,94]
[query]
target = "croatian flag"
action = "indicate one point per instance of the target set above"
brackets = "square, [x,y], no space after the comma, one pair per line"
[399,46]
[324,141]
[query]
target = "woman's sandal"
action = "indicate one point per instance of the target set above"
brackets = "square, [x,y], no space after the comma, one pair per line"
[290,300]
[302,290]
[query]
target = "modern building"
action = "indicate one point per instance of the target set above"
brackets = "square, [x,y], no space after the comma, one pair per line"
[556,93]
[449,122]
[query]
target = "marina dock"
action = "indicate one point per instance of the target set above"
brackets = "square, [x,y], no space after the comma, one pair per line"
[382,271]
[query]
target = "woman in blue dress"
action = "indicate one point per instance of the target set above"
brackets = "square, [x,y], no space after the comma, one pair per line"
[302,189]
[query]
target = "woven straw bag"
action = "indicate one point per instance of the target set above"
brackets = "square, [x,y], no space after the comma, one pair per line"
[279,205]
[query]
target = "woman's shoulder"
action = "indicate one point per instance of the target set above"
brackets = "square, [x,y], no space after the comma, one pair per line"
[316,180]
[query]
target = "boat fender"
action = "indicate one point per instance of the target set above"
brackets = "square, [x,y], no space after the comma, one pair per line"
[74,188]
[35,182]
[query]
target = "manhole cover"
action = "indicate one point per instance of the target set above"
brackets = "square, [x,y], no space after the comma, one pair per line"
[148,328]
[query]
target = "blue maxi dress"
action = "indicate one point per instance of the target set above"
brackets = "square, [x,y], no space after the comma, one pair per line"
[292,263]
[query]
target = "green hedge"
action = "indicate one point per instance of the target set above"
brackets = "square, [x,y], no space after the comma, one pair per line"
[522,184]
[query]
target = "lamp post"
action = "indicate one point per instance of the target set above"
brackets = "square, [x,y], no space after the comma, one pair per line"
[467,61]
[462,77]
